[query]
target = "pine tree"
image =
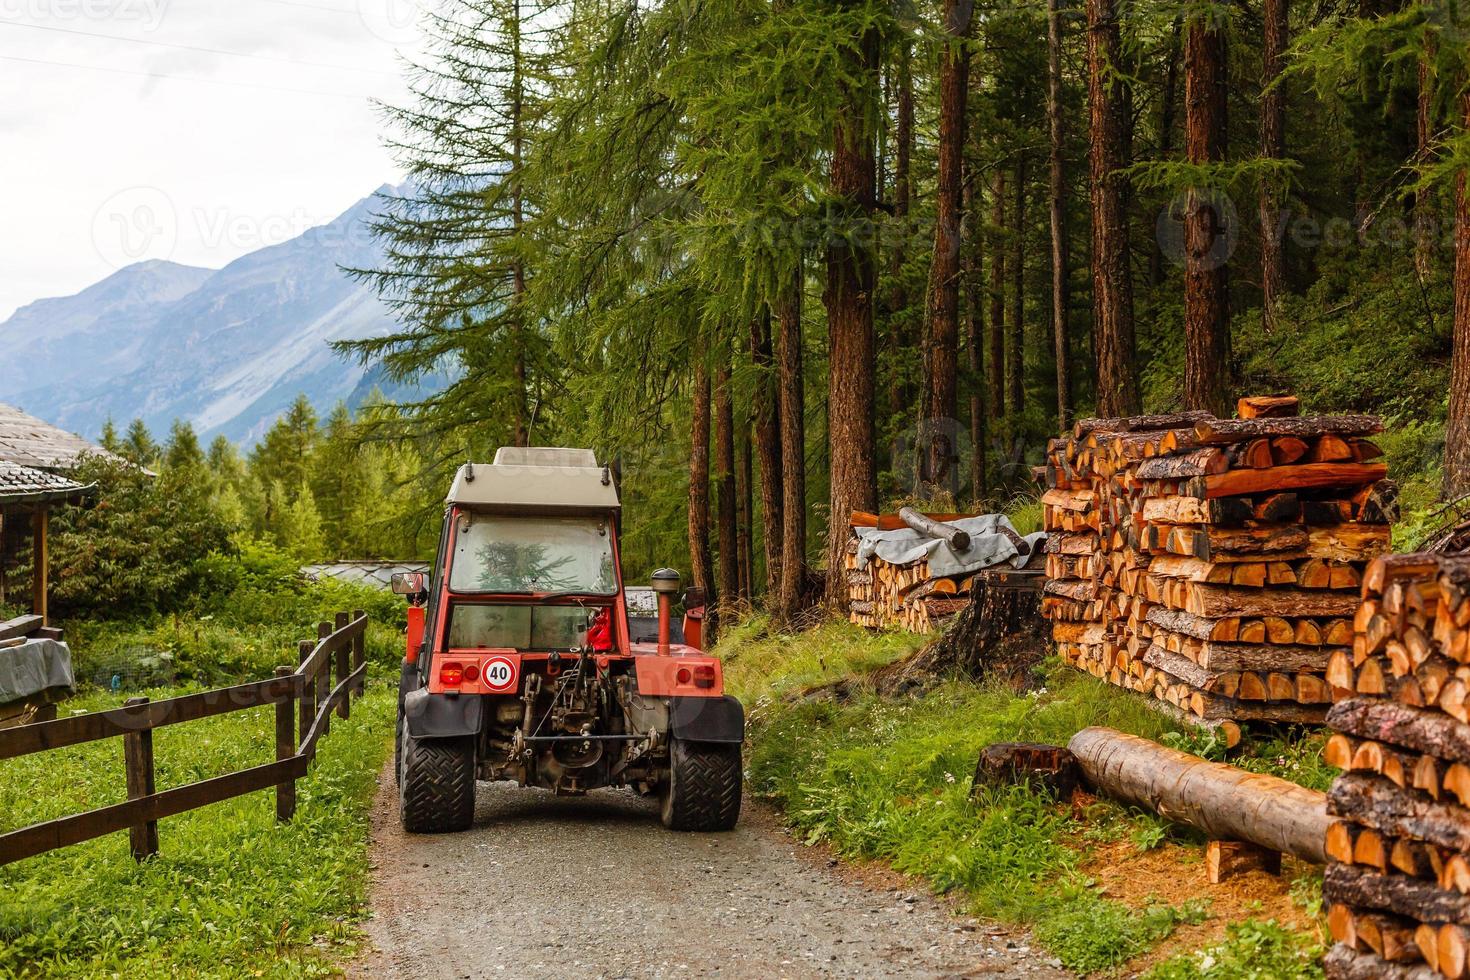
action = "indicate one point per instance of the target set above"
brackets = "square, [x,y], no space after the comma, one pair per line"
[138,446]
[182,451]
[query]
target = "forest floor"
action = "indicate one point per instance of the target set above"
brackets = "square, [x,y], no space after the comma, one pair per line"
[886,781]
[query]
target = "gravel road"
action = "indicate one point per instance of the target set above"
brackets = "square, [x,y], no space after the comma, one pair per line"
[594,887]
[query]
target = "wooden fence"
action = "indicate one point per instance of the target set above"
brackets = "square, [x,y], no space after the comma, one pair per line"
[331,670]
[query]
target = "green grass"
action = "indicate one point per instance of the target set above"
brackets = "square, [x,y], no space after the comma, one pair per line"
[231,893]
[1252,950]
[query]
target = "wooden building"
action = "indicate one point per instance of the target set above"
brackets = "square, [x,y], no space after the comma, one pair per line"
[36,459]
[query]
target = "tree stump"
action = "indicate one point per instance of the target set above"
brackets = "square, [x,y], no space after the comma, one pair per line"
[1049,767]
[999,633]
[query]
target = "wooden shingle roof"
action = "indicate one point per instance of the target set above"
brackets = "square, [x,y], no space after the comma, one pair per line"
[28,441]
[24,485]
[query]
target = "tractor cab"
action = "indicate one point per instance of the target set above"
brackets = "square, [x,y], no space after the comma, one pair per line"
[521,662]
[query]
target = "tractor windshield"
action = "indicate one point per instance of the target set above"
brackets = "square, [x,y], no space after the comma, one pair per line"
[523,555]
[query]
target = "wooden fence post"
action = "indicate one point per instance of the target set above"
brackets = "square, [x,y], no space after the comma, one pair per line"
[306,708]
[138,761]
[344,707]
[324,678]
[285,749]
[359,652]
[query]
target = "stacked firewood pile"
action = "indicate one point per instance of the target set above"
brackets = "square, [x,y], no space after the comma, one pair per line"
[1399,882]
[884,595]
[1212,563]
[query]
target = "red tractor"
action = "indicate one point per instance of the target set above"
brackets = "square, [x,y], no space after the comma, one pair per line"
[521,663]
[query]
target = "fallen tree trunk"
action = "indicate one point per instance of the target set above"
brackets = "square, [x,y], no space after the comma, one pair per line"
[958,539]
[1225,802]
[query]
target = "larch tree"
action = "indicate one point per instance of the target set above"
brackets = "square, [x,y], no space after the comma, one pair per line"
[1275,34]
[1457,423]
[1057,217]
[766,403]
[851,279]
[700,559]
[726,505]
[939,458]
[456,235]
[1206,274]
[1016,325]
[995,383]
[1109,106]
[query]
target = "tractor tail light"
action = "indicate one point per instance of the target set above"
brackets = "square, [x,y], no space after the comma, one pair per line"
[683,676]
[704,675]
[451,674]
[471,673]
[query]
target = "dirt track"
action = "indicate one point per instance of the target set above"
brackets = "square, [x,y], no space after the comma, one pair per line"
[595,887]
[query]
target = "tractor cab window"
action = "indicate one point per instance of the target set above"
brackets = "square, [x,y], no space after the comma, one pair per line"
[519,627]
[494,553]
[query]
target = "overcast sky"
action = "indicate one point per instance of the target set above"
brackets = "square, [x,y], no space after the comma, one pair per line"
[191,130]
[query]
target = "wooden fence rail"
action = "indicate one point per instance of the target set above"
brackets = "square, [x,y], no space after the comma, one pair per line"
[332,670]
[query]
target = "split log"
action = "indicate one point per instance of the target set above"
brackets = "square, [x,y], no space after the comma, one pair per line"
[958,539]
[1220,431]
[1216,601]
[1138,423]
[1225,802]
[1226,859]
[1268,407]
[1198,462]
[1304,476]
[1431,732]
[1375,802]
[1342,962]
[1399,894]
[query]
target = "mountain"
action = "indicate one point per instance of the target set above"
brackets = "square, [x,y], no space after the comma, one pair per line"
[226,349]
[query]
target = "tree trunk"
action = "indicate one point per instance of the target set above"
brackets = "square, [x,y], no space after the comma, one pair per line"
[1273,147]
[766,397]
[899,394]
[937,471]
[701,563]
[1225,802]
[792,403]
[1424,218]
[1109,108]
[1206,278]
[745,505]
[520,423]
[726,504]
[1167,100]
[1059,259]
[849,300]
[995,388]
[975,334]
[1016,328]
[1457,425]
[999,635]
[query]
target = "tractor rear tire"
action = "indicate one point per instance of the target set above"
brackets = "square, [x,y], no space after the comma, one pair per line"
[703,791]
[436,784]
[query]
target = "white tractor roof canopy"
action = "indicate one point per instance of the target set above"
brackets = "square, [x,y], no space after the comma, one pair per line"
[536,480]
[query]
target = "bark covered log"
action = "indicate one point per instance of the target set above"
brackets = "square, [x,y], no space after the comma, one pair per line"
[1217,431]
[1343,963]
[1224,802]
[1398,894]
[1413,728]
[1375,802]
[957,537]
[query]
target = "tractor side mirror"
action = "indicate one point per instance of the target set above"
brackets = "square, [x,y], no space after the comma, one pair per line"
[409,583]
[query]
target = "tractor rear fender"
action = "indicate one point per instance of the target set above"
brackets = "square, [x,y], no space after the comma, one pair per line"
[719,719]
[441,716]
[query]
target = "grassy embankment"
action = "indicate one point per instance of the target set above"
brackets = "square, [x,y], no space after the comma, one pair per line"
[889,779]
[231,893]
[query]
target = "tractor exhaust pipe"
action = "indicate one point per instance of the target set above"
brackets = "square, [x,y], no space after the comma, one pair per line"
[665,584]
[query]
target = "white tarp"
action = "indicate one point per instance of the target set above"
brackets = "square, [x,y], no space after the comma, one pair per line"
[989,545]
[33,667]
